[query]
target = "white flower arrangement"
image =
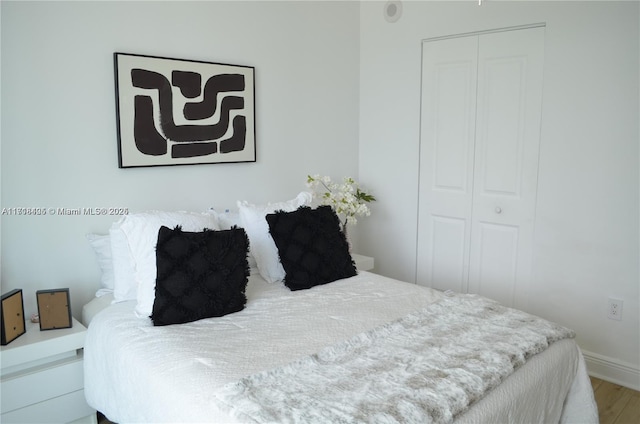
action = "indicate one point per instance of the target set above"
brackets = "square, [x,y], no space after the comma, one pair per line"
[346,199]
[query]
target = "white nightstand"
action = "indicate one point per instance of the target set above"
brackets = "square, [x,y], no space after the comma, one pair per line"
[42,377]
[363,263]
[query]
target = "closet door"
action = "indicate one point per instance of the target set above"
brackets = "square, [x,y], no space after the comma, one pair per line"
[449,79]
[486,156]
[506,164]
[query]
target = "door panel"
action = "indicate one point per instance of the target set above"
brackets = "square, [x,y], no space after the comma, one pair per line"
[452,105]
[448,256]
[500,132]
[495,257]
[506,159]
[446,156]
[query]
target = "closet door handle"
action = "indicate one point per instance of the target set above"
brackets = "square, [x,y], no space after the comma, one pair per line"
[498,209]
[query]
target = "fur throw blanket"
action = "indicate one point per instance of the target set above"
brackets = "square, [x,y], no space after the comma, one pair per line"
[427,367]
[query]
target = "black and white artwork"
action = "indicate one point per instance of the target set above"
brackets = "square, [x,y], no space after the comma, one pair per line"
[181,112]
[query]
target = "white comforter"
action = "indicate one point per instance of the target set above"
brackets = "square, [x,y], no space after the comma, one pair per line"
[135,372]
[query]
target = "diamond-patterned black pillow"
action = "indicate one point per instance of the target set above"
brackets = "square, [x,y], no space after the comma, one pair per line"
[199,274]
[311,247]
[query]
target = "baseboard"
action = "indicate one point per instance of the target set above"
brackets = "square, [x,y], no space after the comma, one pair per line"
[612,370]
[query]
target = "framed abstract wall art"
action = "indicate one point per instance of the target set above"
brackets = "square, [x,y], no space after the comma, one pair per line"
[183,112]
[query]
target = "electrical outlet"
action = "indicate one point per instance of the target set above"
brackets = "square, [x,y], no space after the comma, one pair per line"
[615,309]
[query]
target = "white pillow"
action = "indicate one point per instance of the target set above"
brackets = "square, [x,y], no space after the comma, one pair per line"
[124,284]
[261,244]
[228,219]
[101,245]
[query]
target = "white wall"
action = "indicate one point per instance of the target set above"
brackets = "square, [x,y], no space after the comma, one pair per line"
[59,125]
[587,231]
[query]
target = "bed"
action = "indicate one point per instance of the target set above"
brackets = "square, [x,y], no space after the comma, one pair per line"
[361,348]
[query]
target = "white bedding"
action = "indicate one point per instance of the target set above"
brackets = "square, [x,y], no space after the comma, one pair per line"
[135,372]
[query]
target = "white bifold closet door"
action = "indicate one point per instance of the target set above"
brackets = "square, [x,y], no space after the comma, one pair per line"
[479,143]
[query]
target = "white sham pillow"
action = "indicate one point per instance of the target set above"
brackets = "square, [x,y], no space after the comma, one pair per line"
[101,245]
[140,233]
[261,245]
[124,284]
[228,219]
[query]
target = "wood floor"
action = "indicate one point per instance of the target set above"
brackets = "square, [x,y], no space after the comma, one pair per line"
[616,404]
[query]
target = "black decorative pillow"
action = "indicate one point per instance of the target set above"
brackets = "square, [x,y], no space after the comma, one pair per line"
[200,275]
[312,248]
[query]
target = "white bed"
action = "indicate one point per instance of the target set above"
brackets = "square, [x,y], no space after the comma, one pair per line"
[289,352]
[135,372]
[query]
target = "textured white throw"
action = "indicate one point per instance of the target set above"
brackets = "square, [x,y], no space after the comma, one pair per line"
[427,367]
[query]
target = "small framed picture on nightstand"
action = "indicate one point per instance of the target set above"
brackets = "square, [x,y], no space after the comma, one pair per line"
[12,312]
[54,309]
